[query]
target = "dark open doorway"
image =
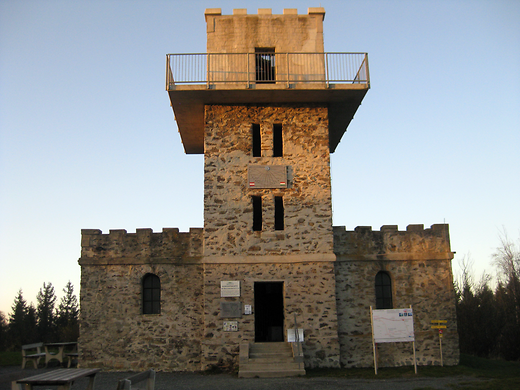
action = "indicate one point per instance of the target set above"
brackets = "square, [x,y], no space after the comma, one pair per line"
[269,311]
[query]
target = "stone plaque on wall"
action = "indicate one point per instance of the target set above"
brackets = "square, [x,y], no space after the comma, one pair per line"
[267,176]
[230,309]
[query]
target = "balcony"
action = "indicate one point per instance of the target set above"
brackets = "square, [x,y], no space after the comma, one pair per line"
[338,80]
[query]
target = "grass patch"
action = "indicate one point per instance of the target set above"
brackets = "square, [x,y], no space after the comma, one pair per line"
[9,358]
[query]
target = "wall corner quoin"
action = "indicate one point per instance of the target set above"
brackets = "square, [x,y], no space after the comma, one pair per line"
[86,234]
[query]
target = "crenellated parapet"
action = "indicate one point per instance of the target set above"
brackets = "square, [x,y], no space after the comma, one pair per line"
[143,246]
[389,243]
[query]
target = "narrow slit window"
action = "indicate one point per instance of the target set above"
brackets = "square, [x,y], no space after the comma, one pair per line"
[151,294]
[277,140]
[278,213]
[257,140]
[383,291]
[257,213]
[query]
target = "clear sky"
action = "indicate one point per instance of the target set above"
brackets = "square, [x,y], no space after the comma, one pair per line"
[88,138]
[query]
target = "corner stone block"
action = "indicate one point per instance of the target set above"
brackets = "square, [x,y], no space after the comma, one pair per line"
[317,11]
[213,11]
[85,236]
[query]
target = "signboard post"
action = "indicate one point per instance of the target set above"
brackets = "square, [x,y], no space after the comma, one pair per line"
[392,326]
[439,324]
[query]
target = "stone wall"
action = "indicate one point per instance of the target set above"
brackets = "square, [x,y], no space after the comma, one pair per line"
[188,334]
[242,32]
[309,293]
[419,263]
[228,211]
[114,334]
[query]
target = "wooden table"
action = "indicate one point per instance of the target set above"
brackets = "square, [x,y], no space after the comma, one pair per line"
[63,378]
[61,348]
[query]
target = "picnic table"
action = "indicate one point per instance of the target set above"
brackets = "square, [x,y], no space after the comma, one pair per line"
[63,378]
[61,353]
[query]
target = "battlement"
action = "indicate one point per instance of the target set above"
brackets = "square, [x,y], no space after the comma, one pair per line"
[143,246]
[416,243]
[264,11]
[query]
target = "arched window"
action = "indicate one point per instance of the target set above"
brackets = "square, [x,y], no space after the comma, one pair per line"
[151,294]
[383,291]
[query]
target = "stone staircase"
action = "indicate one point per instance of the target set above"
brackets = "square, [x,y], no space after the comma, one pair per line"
[269,360]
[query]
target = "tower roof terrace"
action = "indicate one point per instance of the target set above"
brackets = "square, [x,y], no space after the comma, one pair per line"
[337,80]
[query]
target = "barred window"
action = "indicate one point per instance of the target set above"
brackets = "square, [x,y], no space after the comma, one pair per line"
[151,294]
[383,291]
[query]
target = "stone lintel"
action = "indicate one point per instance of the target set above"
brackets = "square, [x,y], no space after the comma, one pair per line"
[270,259]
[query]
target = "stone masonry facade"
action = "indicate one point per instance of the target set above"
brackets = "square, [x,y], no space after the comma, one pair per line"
[188,336]
[228,212]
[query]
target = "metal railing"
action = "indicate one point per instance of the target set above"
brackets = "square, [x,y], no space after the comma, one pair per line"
[266,68]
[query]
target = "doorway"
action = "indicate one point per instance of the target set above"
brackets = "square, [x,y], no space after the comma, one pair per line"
[269,312]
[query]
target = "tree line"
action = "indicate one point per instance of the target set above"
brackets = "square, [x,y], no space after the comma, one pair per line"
[488,317]
[48,321]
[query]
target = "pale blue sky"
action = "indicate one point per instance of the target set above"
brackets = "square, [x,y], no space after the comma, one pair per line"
[88,139]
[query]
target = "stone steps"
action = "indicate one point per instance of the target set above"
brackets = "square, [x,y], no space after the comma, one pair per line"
[270,360]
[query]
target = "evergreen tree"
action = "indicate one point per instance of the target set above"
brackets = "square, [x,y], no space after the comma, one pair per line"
[3,331]
[22,323]
[45,315]
[68,313]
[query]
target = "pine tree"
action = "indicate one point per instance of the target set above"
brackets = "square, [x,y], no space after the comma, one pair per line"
[22,323]
[45,313]
[67,316]
[3,331]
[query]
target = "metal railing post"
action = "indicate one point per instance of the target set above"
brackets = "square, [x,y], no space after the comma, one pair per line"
[248,75]
[207,67]
[167,72]
[287,66]
[327,69]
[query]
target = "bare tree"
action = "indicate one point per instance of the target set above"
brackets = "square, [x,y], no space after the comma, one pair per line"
[507,258]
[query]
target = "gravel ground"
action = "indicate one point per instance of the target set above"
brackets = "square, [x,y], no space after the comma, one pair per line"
[185,381]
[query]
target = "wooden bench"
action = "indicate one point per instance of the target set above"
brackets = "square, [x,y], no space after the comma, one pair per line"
[148,376]
[32,353]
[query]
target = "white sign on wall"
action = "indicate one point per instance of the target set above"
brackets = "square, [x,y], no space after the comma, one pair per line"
[230,288]
[393,325]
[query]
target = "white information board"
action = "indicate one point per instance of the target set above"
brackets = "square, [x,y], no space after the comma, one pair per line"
[393,325]
[230,288]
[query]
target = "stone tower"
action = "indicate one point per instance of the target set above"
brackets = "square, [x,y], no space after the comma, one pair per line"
[267,120]
[266,106]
